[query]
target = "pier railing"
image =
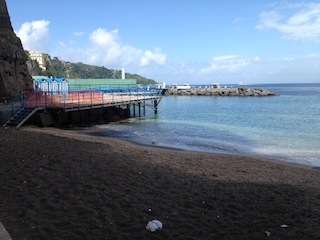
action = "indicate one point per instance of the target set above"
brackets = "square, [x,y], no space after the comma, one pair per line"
[77,100]
[10,109]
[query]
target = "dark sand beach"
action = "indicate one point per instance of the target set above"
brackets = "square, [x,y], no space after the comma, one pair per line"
[59,184]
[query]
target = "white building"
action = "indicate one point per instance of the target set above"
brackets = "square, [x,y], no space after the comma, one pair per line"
[123,74]
[41,58]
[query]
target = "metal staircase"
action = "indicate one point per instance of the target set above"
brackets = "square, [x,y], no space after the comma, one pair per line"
[21,117]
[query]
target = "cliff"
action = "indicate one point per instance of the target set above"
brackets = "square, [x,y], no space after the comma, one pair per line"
[14,74]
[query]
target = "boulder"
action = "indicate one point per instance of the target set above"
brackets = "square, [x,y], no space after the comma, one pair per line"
[225,92]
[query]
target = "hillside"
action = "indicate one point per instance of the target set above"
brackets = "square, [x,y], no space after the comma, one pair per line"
[59,68]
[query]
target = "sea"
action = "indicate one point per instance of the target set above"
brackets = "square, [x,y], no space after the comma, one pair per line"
[284,127]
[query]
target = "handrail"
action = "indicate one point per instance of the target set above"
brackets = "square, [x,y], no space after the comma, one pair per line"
[78,99]
[10,109]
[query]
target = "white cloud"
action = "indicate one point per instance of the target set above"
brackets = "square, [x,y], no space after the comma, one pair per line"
[35,35]
[153,57]
[106,49]
[103,38]
[289,59]
[303,24]
[103,47]
[225,57]
[228,64]
[314,55]
[78,34]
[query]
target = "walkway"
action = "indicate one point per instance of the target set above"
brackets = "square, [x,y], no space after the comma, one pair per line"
[86,99]
[21,108]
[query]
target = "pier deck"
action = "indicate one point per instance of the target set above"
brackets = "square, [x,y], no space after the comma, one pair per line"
[18,110]
[88,99]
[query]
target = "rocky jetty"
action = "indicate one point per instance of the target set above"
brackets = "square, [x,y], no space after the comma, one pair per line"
[225,92]
[14,74]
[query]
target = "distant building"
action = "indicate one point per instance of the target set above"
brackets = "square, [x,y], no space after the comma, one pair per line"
[100,84]
[41,58]
[123,74]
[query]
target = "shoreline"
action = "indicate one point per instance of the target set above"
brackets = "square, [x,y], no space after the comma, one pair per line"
[107,133]
[85,135]
[59,184]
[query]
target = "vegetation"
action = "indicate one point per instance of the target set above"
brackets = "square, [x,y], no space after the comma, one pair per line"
[63,69]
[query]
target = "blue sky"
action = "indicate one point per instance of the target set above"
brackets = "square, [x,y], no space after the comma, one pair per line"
[178,41]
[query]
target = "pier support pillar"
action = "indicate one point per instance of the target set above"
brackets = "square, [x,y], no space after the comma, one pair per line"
[155,106]
[139,106]
[134,109]
[128,111]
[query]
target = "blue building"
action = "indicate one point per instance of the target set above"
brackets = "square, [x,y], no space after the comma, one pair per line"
[52,85]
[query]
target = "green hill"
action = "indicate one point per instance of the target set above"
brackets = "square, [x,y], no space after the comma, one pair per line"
[63,69]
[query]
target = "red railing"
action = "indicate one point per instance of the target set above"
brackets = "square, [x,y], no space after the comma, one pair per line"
[84,99]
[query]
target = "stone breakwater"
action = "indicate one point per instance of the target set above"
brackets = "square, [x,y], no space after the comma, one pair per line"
[225,92]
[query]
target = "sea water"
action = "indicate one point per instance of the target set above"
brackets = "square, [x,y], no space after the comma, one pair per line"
[284,127]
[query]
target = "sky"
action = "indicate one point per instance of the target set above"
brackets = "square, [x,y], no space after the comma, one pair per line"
[178,41]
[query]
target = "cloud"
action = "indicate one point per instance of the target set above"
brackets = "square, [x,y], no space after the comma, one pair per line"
[35,35]
[153,57]
[288,59]
[314,55]
[102,47]
[106,49]
[302,25]
[101,37]
[225,57]
[78,34]
[228,64]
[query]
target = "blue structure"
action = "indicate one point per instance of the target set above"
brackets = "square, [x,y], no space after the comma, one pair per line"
[52,85]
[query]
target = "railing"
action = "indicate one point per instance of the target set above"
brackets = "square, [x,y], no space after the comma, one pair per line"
[10,109]
[77,100]
[105,97]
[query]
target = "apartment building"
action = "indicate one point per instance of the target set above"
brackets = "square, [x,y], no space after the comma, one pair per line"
[41,58]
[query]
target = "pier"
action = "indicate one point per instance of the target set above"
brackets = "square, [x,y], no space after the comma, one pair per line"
[78,108]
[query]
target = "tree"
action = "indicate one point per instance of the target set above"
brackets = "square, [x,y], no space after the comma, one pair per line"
[57,68]
[36,70]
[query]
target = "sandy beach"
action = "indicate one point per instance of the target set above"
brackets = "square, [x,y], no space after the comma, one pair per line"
[60,184]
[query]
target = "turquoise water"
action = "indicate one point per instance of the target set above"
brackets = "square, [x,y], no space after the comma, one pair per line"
[285,127]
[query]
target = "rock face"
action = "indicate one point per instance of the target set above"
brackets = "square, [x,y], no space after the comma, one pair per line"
[225,92]
[14,74]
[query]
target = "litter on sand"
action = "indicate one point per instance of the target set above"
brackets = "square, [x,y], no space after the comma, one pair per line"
[154,225]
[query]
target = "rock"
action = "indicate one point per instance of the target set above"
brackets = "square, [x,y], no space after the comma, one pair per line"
[14,73]
[225,92]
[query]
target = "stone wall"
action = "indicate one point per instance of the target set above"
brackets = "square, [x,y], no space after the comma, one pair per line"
[14,73]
